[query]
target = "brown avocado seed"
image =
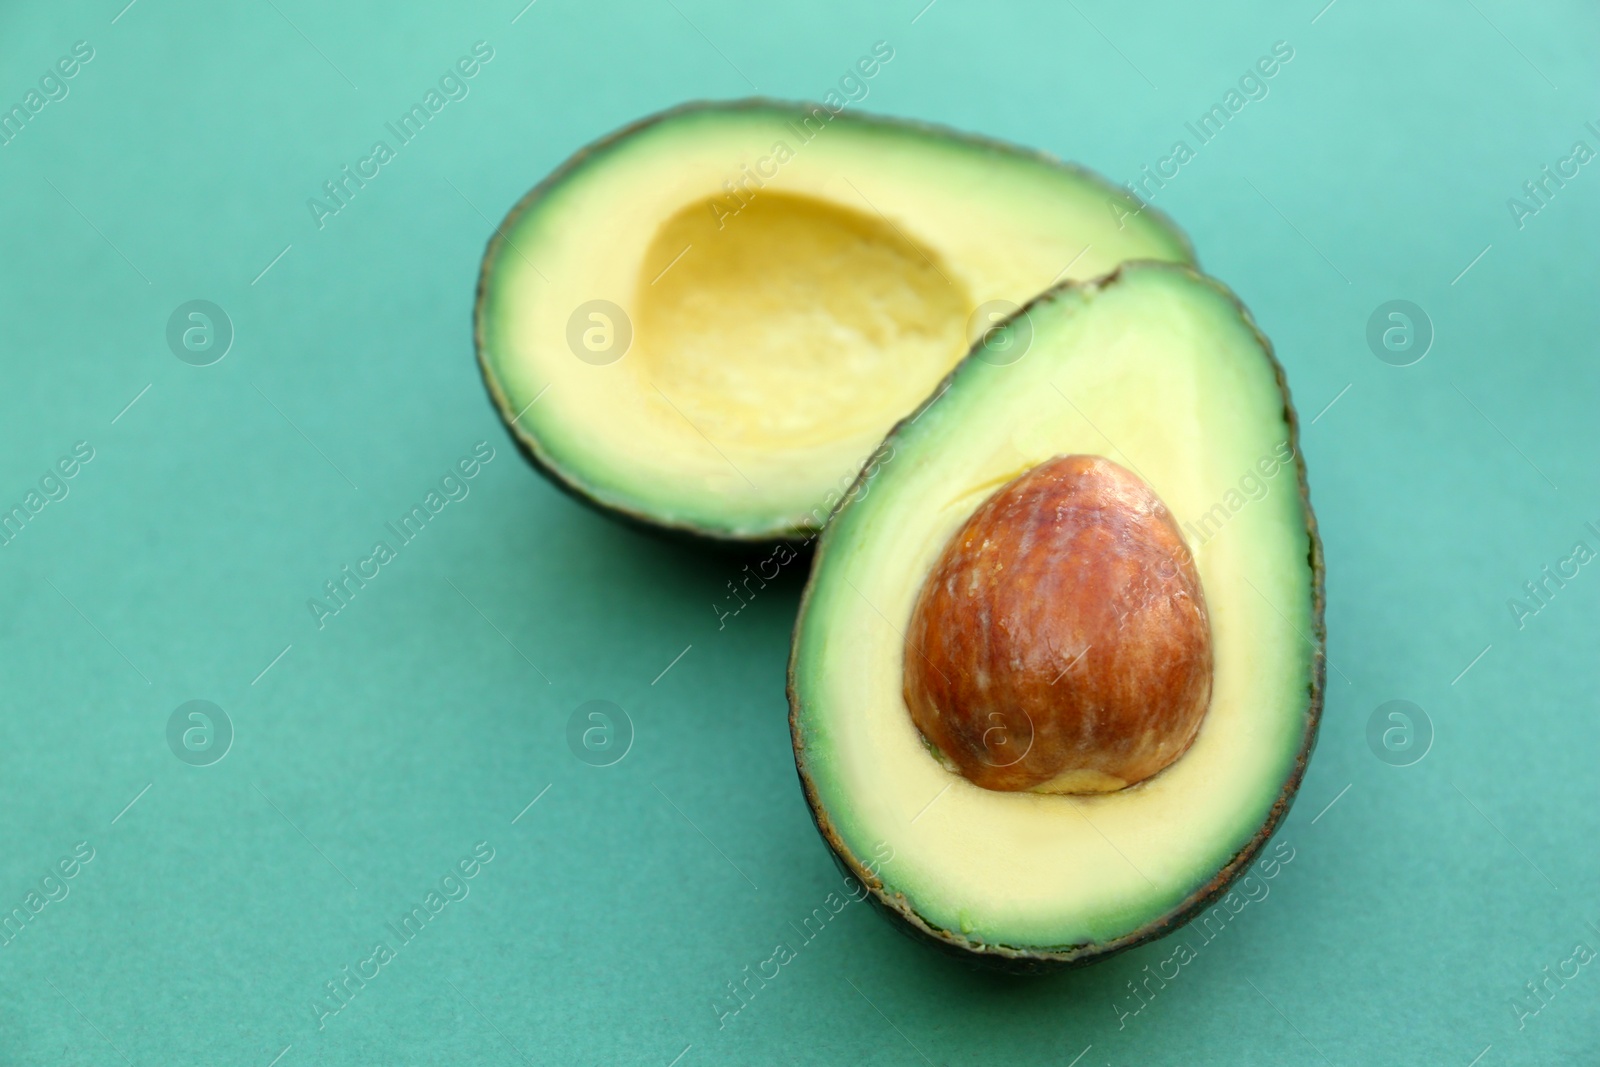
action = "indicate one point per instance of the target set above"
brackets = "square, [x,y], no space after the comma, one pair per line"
[1061,642]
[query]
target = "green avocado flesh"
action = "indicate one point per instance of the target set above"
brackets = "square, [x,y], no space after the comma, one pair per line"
[1160,370]
[780,285]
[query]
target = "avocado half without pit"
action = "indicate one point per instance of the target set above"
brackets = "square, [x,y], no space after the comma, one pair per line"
[709,320]
[1059,664]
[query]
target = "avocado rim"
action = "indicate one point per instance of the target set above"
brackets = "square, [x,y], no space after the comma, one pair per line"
[1034,960]
[569,482]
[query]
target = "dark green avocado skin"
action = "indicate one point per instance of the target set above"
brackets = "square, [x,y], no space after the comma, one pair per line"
[738,547]
[1021,961]
[527,445]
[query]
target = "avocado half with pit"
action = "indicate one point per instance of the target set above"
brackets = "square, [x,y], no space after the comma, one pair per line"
[1059,665]
[708,320]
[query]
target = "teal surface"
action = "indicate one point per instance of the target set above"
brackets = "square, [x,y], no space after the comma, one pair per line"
[376,786]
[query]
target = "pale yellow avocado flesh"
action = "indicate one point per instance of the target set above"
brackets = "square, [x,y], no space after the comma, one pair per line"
[780,331]
[1160,370]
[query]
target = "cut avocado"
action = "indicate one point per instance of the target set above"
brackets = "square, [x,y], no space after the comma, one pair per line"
[706,321]
[1153,378]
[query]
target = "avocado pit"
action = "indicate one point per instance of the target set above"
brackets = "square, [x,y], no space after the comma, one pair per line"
[1061,642]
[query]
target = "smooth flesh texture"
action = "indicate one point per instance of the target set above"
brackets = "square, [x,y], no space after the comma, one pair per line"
[1162,370]
[772,337]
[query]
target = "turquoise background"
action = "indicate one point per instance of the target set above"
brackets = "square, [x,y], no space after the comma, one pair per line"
[378,751]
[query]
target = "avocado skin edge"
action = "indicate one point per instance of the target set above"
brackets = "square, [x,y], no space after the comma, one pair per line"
[687,532]
[1021,961]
